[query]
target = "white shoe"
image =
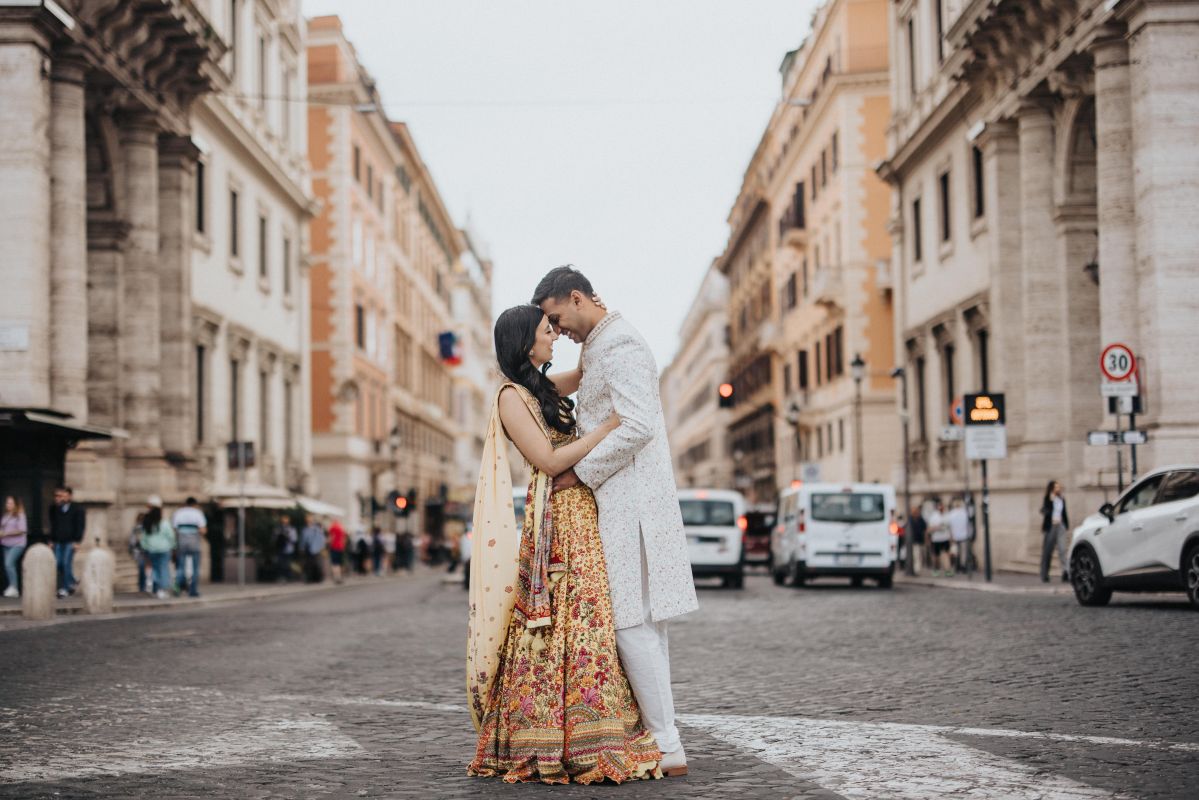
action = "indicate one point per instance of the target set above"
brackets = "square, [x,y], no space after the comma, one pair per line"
[674,765]
[11,591]
[161,594]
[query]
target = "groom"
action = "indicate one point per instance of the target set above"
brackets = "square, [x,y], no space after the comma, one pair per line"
[649,572]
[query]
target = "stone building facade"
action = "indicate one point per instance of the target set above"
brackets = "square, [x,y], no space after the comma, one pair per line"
[96,218]
[697,425]
[383,254]
[1044,171]
[808,267]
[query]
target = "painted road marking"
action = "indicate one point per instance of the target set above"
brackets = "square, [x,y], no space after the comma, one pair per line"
[259,741]
[887,760]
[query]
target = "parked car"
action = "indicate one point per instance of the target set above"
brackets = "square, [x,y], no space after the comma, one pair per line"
[759,524]
[833,529]
[715,523]
[1148,540]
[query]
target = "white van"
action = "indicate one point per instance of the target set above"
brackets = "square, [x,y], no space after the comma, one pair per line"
[715,523]
[835,529]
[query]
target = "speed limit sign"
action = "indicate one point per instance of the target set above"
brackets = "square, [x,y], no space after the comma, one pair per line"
[1117,363]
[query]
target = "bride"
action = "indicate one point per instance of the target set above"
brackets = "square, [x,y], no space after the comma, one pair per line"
[548,695]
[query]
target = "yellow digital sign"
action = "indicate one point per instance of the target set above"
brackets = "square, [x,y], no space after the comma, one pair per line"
[984,409]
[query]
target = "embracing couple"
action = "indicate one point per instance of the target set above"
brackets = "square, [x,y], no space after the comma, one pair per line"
[568,669]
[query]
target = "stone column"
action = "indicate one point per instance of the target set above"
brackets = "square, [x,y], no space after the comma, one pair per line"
[68,240]
[1042,292]
[1164,85]
[140,327]
[25,214]
[1001,183]
[176,168]
[1118,289]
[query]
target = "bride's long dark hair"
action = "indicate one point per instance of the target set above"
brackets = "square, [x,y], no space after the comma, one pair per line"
[515,334]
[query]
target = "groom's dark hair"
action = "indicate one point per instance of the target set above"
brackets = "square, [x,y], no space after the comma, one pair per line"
[559,282]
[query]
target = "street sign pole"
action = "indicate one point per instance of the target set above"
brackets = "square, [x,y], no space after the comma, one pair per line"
[1119,457]
[986,524]
[241,514]
[1132,448]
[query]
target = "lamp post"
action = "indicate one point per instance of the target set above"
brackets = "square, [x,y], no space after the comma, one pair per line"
[900,375]
[858,370]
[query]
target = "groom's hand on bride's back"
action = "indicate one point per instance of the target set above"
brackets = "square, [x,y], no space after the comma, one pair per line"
[566,480]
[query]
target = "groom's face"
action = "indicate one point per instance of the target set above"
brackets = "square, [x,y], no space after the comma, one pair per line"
[566,315]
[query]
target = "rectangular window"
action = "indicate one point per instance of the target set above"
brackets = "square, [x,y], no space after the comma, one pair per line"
[805,277]
[262,73]
[940,32]
[357,163]
[814,184]
[201,354]
[820,442]
[980,203]
[786,379]
[984,365]
[833,151]
[370,181]
[921,405]
[912,57]
[944,197]
[792,299]
[839,352]
[235,399]
[950,389]
[816,361]
[201,178]
[288,420]
[289,80]
[830,357]
[234,233]
[917,245]
[823,168]
[264,411]
[841,434]
[286,266]
[803,369]
[263,272]
[800,222]
[360,326]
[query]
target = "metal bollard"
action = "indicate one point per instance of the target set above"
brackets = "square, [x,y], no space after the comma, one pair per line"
[39,576]
[98,572]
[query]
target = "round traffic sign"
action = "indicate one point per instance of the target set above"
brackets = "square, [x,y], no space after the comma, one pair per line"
[1117,363]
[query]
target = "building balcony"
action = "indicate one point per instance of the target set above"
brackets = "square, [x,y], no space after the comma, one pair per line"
[827,287]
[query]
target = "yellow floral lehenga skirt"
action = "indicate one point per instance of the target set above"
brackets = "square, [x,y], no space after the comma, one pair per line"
[561,709]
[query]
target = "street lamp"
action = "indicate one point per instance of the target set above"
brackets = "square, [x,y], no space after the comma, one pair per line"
[900,375]
[858,371]
[792,418]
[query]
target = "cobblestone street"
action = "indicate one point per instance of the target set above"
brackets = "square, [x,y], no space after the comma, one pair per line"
[825,692]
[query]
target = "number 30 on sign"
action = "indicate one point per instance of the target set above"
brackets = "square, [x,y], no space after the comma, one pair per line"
[1117,363]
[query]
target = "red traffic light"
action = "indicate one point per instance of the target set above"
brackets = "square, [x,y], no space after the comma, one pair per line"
[401,503]
[726,390]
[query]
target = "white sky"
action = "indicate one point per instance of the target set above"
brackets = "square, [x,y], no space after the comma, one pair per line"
[609,135]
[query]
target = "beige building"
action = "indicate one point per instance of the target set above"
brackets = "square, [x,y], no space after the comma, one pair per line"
[695,422]
[1044,164]
[808,267]
[383,254]
[96,220]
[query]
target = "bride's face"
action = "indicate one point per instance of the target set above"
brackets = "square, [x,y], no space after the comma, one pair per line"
[543,345]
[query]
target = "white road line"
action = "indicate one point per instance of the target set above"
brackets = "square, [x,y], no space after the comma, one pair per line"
[888,761]
[257,742]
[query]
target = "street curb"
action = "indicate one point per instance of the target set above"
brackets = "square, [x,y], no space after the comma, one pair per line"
[980,585]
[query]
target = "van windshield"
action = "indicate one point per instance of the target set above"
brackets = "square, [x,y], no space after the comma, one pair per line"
[707,512]
[848,507]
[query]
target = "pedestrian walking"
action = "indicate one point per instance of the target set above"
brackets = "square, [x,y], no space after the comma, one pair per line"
[14,535]
[337,549]
[1055,522]
[916,530]
[377,550]
[67,524]
[939,535]
[157,540]
[389,540]
[286,540]
[191,527]
[405,551]
[958,521]
[362,551]
[139,555]
[312,548]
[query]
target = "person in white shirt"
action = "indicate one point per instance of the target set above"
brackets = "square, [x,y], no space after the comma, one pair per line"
[190,526]
[958,521]
[938,534]
[1055,524]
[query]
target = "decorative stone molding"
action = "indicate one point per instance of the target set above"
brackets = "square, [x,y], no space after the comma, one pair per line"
[239,341]
[206,326]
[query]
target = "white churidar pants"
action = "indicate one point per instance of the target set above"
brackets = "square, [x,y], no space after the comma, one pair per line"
[645,653]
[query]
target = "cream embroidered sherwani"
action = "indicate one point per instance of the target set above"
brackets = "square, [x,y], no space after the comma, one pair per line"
[631,474]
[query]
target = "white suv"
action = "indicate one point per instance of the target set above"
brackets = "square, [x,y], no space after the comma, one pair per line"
[1148,540]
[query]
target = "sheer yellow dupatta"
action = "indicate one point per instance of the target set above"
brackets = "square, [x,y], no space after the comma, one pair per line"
[494,557]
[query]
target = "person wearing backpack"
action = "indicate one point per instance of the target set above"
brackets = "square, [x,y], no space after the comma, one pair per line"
[157,540]
[190,526]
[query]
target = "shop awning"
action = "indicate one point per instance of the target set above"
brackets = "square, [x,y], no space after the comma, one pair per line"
[320,507]
[257,495]
[51,422]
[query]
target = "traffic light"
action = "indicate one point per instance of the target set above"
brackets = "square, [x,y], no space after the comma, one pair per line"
[399,504]
[726,395]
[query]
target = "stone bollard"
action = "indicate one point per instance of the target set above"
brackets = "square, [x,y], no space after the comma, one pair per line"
[98,571]
[39,576]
